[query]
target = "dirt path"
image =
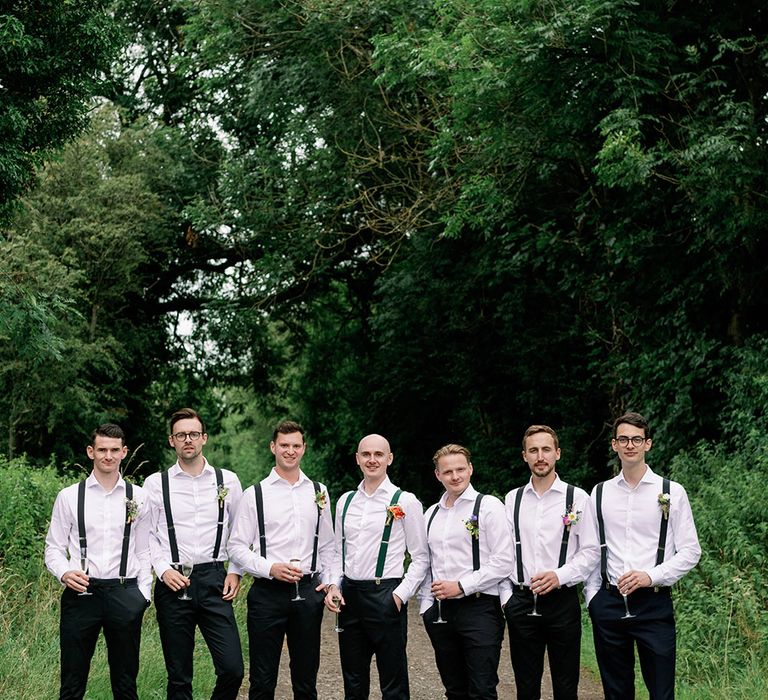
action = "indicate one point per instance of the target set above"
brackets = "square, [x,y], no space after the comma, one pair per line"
[425,681]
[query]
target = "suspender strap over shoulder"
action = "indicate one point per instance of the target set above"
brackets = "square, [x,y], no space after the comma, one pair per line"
[169,519]
[343,532]
[220,521]
[260,519]
[566,528]
[385,537]
[313,568]
[81,519]
[126,532]
[476,540]
[601,531]
[662,528]
[518,545]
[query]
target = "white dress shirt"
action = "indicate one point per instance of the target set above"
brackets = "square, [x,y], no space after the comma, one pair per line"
[195,511]
[364,526]
[104,526]
[290,519]
[450,545]
[541,535]
[632,519]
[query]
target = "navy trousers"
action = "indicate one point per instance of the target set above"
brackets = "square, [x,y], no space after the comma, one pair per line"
[177,620]
[652,630]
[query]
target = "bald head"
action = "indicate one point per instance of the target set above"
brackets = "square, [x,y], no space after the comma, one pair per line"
[373,442]
[373,457]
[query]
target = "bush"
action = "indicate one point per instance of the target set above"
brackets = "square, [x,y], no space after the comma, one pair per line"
[26,499]
[722,605]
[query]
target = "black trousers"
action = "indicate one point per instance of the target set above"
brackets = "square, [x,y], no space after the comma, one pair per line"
[558,630]
[373,625]
[468,647]
[273,616]
[177,620]
[116,608]
[652,629]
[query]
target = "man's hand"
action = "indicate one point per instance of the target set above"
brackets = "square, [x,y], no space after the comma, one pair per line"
[231,586]
[544,582]
[398,602]
[333,599]
[285,572]
[76,580]
[174,580]
[446,589]
[632,580]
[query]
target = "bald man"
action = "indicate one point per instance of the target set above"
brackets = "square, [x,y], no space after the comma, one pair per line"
[375,525]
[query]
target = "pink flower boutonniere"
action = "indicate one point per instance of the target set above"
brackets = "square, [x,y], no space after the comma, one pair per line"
[395,512]
[571,516]
[664,503]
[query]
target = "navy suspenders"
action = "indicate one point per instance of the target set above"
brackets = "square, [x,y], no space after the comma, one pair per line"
[601,530]
[475,540]
[259,496]
[126,529]
[173,544]
[566,532]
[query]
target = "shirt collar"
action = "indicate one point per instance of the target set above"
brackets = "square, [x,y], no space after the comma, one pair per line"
[469,494]
[176,469]
[385,486]
[273,477]
[557,485]
[648,478]
[92,481]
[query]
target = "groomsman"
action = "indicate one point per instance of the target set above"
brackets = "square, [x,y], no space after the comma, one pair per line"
[375,526]
[556,547]
[97,546]
[648,542]
[283,536]
[470,554]
[192,506]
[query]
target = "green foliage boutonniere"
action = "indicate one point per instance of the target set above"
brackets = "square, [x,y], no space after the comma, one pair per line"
[664,502]
[131,510]
[472,527]
[221,493]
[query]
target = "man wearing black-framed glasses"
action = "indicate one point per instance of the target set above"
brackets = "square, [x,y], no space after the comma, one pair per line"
[648,542]
[192,507]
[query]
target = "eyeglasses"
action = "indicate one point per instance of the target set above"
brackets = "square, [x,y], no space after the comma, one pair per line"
[182,437]
[636,440]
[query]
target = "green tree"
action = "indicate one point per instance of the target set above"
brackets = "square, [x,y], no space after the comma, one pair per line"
[52,54]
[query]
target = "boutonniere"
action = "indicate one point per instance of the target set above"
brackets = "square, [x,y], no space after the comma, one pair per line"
[471,524]
[221,493]
[131,510]
[320,500]
[394,512]
[664,502]
[570,517]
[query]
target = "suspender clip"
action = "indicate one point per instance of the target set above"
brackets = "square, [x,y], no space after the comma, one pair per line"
[378,581]
[122,580]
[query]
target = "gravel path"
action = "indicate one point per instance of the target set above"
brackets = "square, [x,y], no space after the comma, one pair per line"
[425,681]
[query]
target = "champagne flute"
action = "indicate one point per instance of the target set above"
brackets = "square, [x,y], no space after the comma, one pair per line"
[186,570]
[296,564]
[439,620]
[336,600]
[535,612]
[84,568]
[628,614]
